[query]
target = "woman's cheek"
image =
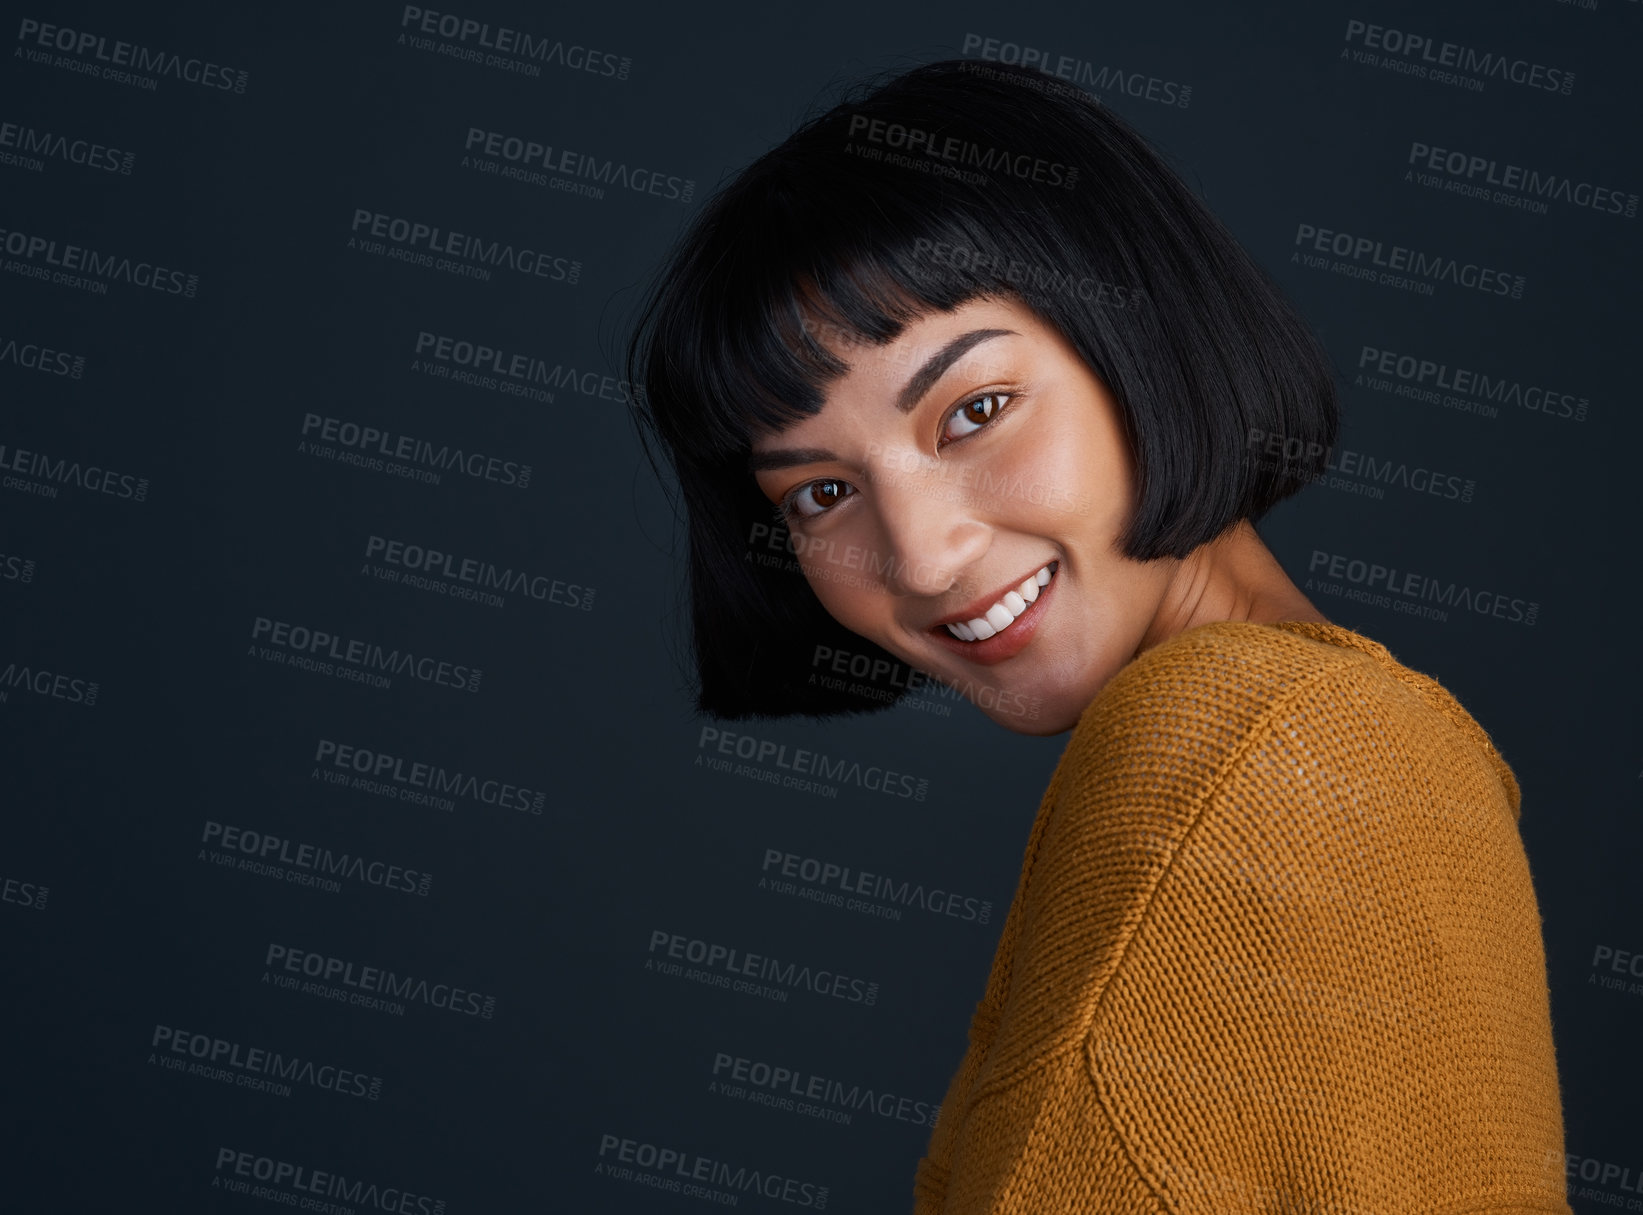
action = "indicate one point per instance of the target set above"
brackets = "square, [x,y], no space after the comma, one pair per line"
[1048,480]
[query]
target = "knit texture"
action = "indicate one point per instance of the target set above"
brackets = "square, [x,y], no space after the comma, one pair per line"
[1275,948]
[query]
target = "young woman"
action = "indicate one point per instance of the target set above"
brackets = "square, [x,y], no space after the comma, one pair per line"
[1017,400]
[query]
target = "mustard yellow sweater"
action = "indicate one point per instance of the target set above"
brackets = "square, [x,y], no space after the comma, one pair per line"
[1275,948]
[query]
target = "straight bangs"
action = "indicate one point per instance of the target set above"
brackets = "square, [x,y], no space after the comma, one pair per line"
[817,248]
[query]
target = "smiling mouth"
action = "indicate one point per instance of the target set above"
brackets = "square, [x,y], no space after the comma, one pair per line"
[1004,612]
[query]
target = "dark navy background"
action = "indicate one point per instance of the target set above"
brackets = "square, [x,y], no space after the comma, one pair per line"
[552,913]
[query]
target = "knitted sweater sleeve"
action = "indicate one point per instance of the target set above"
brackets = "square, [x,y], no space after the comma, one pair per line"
[1298,967]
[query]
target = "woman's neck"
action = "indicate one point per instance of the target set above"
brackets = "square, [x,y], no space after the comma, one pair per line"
[1233,577]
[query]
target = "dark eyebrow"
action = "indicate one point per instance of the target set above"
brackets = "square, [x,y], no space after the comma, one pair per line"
[918,384]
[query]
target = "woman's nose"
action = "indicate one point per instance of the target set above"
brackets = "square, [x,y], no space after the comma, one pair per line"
[929,526]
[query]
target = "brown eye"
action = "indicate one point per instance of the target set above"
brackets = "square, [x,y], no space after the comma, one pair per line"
[815,497]
[974,414]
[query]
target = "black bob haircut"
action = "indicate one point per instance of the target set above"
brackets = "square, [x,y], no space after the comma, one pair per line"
[954,181]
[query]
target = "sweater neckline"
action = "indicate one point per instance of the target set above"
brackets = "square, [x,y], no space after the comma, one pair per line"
[1434,691]
[1429,688]
[1337,634]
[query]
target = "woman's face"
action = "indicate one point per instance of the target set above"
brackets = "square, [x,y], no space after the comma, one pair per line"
[943,472]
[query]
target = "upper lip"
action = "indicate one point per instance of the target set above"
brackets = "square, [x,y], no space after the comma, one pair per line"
[978,607]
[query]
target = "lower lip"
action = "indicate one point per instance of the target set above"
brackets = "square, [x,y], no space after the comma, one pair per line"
[1010,642]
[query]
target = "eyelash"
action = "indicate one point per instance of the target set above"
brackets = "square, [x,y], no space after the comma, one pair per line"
[787,509]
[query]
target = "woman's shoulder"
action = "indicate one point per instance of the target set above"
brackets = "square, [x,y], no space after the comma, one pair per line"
[1209,684]
[1197,700]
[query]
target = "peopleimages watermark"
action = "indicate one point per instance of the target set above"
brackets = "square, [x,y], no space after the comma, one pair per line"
[146,64]
[1081,71]
[1412,593]
[253,1067]
[363,659]
[432,247]
[1039,83]
[515,373]
[874,777]
[304,864]
[236,1169]
[827,557]
[1422,56]
[1271,450]
[900,465]
[695,1175]
[565,169]
[53,685]
[33,148]
[381,767]
[379,450]
[717,964]
[32,895]
[16,568]
[1604,1173]
[1608,962]
[876,893]
[1416,270]
[471,578]
[375,987]
[877,678]
[1464,388]
[796,1091]
[41,475]
[1032,278]
[94,268]
[1511,185]
[503,43]
[47,360]
[956,151]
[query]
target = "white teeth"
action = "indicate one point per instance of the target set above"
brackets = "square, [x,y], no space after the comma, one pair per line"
[1003,613]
